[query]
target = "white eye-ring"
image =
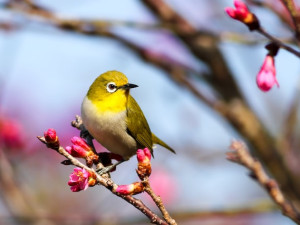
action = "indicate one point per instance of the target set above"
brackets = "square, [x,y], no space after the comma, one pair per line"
[111,87]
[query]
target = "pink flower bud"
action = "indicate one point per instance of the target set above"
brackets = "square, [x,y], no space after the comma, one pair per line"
[144,163]
[81,143]
[79,148]
[266,77]
[143,155]
[130,189]
[50,136]
[242,13]
[79,180]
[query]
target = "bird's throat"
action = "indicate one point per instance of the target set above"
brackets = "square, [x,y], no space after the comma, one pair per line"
[116,102]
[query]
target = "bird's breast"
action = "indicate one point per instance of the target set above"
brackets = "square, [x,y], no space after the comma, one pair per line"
[108,128]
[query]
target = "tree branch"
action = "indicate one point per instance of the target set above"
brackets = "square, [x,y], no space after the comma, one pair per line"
[294,13]
[278,42]
[241,155]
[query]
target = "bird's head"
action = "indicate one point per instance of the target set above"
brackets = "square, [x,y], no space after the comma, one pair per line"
[110,90]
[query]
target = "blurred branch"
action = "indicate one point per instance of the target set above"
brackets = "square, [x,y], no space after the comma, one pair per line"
[176,71]
[294,13]
[16,201]
[241,155]
[288,137]
[203,44]
[273,8]
[246,39]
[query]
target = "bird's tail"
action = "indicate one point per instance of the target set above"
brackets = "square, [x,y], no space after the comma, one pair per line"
[156,140]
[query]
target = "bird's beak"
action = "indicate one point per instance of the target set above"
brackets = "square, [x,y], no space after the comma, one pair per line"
[127,86]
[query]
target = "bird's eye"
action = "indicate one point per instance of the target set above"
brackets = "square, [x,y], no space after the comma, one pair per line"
[111,87]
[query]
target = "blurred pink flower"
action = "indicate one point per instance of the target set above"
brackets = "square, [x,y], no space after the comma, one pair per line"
[266,77]
[164,185]
[79,180]
[11,134]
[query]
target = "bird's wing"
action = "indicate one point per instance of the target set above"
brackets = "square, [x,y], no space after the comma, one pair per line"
[137,124]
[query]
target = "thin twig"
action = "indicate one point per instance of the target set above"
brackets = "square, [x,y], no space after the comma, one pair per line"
[294,12]
[278,42]
[241,155]
[158,202]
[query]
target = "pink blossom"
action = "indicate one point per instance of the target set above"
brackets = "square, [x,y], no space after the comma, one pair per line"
[266,77]
[81,143]
[79,148]
[77,151]
[50,135]
[79,180]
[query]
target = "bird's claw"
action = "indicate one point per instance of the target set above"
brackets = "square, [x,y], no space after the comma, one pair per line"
[105,170]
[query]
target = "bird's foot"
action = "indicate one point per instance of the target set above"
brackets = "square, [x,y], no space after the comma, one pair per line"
[108,169]
[84,134]
[105,170]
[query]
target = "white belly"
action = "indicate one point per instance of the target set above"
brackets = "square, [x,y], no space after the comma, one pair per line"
[109,129]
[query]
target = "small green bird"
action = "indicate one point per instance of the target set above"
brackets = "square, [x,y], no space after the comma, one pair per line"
[113,117]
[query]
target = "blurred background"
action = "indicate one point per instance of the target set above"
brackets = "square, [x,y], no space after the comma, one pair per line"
[50,53]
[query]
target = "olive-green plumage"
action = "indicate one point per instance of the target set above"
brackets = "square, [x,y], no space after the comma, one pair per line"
[113,117]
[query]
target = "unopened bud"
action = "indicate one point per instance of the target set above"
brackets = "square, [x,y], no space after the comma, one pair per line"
[130,189]
[242,13]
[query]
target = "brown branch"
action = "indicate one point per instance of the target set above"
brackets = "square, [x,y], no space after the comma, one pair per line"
[110,185]
[272,7]
[157,200]
[294,13]
[288,137]
[241,155]
[278,42]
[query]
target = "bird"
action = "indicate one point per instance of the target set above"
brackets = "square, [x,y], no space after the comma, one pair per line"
[113,117]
